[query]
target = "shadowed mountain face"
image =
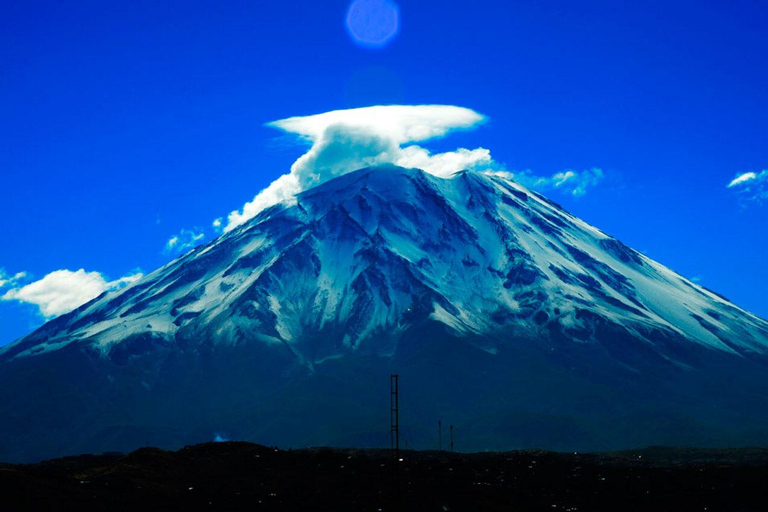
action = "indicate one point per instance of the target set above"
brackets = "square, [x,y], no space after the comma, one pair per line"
[505,315]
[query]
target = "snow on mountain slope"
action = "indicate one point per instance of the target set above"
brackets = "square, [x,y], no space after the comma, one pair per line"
[352,263]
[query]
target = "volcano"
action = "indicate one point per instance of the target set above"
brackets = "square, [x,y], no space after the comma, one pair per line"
[503,314]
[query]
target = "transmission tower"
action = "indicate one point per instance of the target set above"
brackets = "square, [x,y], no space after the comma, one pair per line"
[394,417]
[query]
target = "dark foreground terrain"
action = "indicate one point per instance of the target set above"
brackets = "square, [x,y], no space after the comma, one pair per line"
[243,476]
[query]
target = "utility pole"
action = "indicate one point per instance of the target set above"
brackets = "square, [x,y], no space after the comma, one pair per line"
[440,435]
[394,418]
[451,437]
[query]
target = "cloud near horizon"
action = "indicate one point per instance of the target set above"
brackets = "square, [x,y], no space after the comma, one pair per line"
[10,280]
[575,183]
[62,291]
[751,186]
[185,240]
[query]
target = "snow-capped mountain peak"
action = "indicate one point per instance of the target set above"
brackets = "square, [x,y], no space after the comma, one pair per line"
[359,260]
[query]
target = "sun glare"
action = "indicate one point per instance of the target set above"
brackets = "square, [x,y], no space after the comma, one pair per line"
[373,23]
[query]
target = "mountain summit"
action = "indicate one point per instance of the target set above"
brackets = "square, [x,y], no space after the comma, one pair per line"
[504,314]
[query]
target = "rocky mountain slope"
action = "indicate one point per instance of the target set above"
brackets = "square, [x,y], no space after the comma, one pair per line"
[528,326]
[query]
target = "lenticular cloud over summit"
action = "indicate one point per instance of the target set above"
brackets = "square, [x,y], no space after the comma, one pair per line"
[400,123]
[346,140]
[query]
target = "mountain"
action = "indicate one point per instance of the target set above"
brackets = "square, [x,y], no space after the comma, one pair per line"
[504,315]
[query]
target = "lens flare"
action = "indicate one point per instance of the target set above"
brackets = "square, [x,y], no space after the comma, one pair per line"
[373,23]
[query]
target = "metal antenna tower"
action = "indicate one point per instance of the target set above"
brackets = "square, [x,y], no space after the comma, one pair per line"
[440,435]
[451,437]
[394,417]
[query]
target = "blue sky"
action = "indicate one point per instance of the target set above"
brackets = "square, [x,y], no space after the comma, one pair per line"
[124,123]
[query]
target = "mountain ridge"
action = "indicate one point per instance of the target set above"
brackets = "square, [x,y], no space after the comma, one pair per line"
[525,325]
[388,242]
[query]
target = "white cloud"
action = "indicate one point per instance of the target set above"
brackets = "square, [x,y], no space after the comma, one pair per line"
[342,141]
[62,291]
[575,183]
[346,140]
[10,280]
[742,179]
[751,186]
[182,242]
[399,123]
[218,225]
[445,164]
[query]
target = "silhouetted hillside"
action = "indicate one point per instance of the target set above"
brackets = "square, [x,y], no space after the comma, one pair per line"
[243,476]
